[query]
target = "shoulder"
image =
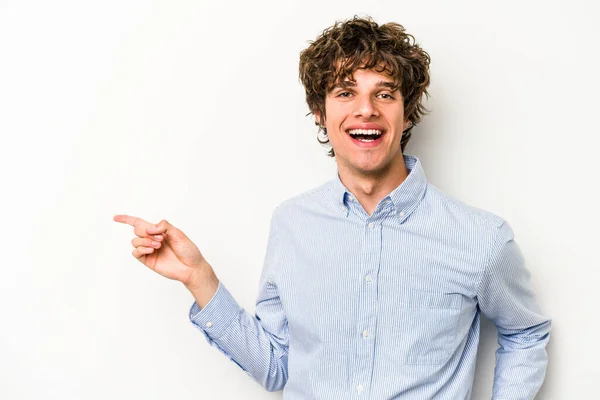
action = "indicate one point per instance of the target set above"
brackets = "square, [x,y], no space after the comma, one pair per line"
[478,232]
[311,199]
[461,212]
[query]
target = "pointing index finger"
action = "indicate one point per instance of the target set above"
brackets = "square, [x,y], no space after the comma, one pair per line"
[129,220]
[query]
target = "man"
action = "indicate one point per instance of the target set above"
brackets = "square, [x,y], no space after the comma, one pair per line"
[373,283]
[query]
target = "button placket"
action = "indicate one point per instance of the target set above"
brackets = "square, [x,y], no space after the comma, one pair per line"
[368,307]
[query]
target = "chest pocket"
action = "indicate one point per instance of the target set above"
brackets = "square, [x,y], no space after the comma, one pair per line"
[420,327]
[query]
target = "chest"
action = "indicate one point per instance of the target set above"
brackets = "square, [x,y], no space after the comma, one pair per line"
[381,281]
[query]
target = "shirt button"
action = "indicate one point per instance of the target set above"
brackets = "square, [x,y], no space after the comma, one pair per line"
[371,225]
[359,388]
[365,333]
[343,209]
[368,278]
[401,213]
[208,324]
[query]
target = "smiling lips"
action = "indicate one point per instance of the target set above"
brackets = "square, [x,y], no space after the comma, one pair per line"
[366,137]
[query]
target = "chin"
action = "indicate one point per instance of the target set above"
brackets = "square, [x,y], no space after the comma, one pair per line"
[369,169]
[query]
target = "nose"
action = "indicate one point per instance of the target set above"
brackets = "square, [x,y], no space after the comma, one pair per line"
[366,108]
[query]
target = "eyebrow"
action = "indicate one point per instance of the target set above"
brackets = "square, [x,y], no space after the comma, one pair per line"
[347,84]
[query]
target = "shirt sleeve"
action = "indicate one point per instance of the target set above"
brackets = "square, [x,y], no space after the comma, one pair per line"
[258,343]
[506,297]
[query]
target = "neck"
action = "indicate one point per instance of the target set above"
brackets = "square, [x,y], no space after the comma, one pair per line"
[369,188]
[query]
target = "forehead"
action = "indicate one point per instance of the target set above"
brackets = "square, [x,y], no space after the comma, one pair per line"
[365,77]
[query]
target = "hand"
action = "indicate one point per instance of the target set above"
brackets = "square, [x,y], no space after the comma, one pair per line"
[167,250]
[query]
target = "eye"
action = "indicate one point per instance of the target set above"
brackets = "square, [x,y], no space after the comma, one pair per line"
[344,94]
[386,96]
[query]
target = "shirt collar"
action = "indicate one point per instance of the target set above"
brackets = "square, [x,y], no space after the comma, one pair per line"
[405,197]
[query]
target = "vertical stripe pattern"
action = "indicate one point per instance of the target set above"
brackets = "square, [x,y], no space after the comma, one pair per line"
[383,306]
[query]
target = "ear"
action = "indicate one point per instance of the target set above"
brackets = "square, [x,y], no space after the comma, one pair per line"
[318,118]
[407,124]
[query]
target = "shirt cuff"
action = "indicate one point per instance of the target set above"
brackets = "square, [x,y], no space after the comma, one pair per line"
[217,315]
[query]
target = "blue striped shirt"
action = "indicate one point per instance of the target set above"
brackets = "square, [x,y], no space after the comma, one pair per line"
[383,306]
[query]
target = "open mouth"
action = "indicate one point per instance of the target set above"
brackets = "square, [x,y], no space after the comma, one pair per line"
[366,135]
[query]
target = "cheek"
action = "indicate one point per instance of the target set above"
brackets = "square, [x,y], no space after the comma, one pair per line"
[395,119]
[336,114]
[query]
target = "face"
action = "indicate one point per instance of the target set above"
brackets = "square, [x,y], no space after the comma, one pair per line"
[364,121]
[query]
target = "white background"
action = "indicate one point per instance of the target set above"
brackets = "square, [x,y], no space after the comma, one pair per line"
[193,112]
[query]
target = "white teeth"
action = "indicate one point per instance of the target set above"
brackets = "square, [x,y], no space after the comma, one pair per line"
[364,132]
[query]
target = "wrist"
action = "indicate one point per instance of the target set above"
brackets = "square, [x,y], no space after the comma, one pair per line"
[203,284]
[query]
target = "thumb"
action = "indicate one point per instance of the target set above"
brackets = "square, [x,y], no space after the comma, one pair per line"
[185,250]
[171,233]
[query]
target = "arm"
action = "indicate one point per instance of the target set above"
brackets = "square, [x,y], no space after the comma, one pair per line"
[506,297]
[259,343]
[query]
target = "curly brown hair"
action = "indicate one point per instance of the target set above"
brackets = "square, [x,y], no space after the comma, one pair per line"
[360,43]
